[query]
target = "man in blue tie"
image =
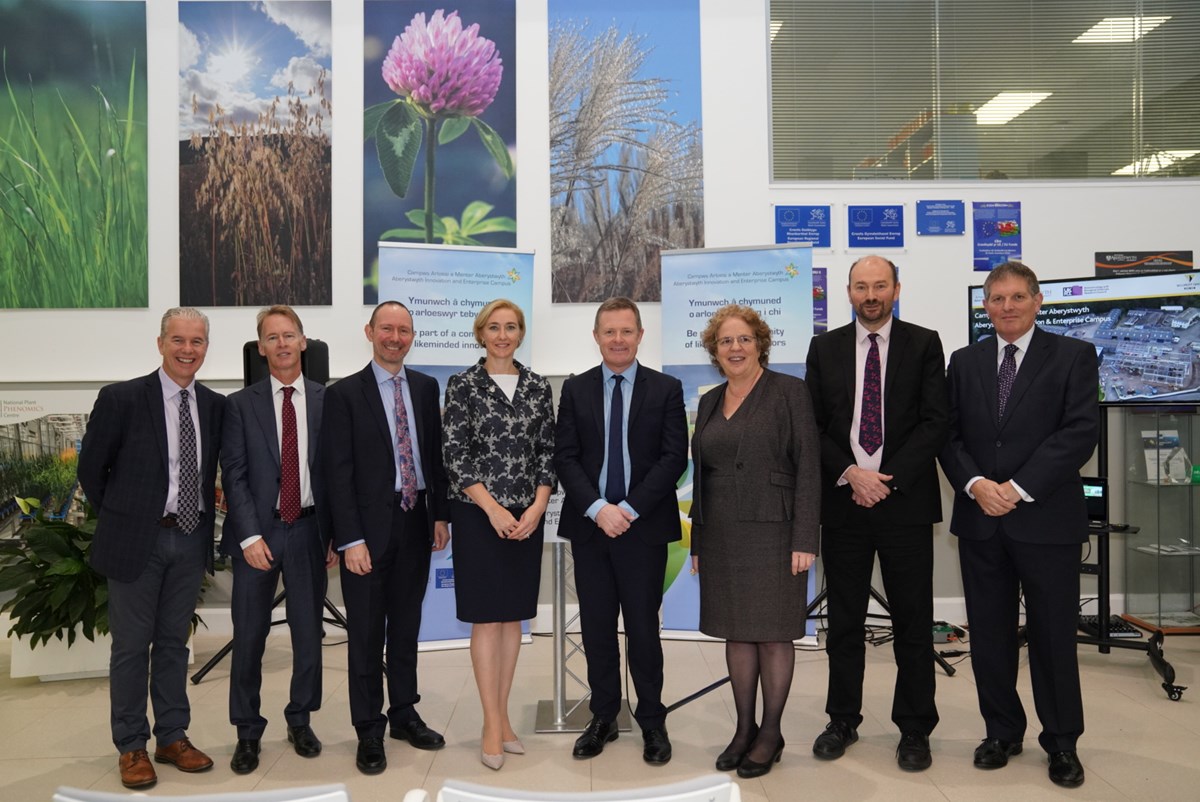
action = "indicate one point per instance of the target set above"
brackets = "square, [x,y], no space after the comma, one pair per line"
[620,448]
[381,446]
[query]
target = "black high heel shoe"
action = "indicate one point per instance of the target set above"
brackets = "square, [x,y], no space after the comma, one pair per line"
[730,759]
[750,769]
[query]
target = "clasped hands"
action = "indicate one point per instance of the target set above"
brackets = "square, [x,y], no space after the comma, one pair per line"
[867,488]
[511,528]
[995,498]
[613,520]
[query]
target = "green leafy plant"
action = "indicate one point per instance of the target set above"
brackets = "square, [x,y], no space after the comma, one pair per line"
[57,592]
[449,231]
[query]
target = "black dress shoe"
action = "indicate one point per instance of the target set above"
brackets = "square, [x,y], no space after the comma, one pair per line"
[913,754]
[831,744]
[594,737]
[750,769]
[304,741]
[994,753]
[1066,770]
[656,748]
[371,759]
[729,760]
[245,756]
[417,734]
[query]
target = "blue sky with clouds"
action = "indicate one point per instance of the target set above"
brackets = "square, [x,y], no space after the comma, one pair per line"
[242,55]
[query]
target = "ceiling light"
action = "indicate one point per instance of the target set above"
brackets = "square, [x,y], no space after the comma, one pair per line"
[1119,29]
[776,25]
[1007,105]
[1155,162]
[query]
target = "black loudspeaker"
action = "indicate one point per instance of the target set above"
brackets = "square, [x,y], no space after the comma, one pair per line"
[314,362]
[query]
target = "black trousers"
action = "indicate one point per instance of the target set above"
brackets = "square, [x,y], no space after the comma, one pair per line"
[906,564]
[621,575]
[995,573]
[384,607]
[300,558]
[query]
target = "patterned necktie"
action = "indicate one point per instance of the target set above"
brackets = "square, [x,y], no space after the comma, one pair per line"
[289,462]
[870,422]
[1006,376]
[187,505]
[614,484]
[404,447]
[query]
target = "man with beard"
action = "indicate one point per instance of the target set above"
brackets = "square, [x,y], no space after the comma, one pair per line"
[879,391]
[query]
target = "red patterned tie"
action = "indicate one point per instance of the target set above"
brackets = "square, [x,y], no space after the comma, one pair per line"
[289,465]
[408,471]
[870,423]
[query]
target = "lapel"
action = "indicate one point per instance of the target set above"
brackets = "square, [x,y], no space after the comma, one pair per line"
[264,412]
[1031,365]
[595,399]
[847,358]
[315,403]
[158,417]
[985,367]
[639,391]
[370,393]
[208,450]
[414,382]
[895,359]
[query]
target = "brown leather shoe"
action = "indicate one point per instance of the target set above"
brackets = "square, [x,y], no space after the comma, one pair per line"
[136,769]
[185,756]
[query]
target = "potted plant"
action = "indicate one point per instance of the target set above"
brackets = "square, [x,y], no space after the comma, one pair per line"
[57,595]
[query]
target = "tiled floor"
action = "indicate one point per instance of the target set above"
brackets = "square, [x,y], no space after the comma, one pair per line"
[1139,745]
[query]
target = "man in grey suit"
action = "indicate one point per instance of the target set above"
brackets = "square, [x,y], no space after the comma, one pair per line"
[277,524]
[148,465]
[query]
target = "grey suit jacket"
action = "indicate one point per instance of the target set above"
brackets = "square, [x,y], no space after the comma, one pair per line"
[778,466]
[250,467]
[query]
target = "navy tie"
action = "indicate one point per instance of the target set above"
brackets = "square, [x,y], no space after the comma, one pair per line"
[614,486]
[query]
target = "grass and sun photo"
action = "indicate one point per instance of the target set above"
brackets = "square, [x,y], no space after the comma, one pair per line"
[73,155]
[255,114]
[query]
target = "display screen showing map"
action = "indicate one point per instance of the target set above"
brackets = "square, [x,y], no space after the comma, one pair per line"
[1146,331]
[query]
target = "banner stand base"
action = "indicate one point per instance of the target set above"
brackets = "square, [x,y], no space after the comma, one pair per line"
[574,721]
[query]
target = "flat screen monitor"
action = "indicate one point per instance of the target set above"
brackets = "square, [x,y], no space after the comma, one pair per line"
[1145,329]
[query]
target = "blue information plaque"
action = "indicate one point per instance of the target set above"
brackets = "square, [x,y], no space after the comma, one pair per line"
[875,226]
[941,218]
[802,224]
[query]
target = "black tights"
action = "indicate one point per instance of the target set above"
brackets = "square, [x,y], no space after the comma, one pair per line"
[770,664]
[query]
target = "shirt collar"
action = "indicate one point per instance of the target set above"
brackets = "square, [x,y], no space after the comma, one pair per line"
[1021,342]
[885,331]
[298,385]
[170,389]
[382,375]
[629,374]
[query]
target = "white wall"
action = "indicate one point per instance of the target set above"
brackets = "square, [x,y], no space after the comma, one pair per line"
[1063,223]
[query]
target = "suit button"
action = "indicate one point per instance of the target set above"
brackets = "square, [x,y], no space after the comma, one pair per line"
[999,443]
[739,466]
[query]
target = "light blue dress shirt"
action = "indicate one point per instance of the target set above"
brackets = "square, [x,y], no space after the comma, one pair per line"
[629,377]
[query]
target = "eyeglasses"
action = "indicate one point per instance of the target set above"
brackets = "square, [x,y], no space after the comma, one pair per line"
[744,340]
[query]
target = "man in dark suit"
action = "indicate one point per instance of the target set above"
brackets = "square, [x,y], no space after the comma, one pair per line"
[381,442]
[1024,418]
[148,465]
[879,391]
[620,448]
[278,522]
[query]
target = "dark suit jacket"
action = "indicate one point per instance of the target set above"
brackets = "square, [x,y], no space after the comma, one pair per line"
[657,439]
[250,473]
[123,471]
[916,418]
[360,469]
[1048,432]
[777,465]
